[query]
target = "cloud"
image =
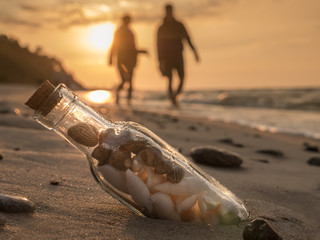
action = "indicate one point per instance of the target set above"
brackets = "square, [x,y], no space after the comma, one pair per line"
[70,13]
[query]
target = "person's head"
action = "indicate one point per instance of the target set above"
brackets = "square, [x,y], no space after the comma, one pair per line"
[169,10]
[126,19]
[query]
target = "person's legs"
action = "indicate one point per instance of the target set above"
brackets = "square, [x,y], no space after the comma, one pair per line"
[130,88]
[180,70]
[120,86]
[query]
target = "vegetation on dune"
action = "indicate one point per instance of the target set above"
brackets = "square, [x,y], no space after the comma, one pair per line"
[20,65]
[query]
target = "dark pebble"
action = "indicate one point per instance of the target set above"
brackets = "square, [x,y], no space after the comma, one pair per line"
[259,229]
[310,148]
[16,149]
[262,160]
[54,182]
[192,128]
[14,204]
[3,220]
[1,156]
[271,152]
[230,141]
[314,161]
[215,157]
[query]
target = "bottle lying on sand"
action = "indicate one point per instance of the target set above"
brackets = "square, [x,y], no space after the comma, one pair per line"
[134,165]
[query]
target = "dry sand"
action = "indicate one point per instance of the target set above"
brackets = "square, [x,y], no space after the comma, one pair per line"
[284,191]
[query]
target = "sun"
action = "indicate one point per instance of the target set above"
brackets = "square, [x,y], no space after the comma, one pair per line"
[100,36]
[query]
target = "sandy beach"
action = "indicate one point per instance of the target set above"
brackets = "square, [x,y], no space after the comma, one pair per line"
[285,191]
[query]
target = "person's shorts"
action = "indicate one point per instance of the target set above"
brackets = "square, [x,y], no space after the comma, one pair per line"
[167,65]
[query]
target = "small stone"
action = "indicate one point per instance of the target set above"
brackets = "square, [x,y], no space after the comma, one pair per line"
[215,157]
[230,141]
[271,152]
[310,148]
[3,220]
[1,156]
[259,229]
[54,182]
[14,204]
[314,161]
[16,149]
[192,128]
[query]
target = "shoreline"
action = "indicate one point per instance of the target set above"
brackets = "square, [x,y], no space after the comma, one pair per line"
[285,190]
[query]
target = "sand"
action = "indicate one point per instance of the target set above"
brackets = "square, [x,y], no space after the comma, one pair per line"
[284,191]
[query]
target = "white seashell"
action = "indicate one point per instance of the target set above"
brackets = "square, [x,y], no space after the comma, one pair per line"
[163,207]
[114,177]
[138,190]
[153,179]
[188,186]
[202,204]
[136,165]
[187,203]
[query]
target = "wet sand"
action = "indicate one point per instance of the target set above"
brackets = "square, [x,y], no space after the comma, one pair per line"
[284,190]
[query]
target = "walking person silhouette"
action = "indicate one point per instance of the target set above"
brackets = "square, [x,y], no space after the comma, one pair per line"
[124,48]
[170,36]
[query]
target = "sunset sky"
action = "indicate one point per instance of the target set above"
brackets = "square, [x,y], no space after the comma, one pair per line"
[241,43]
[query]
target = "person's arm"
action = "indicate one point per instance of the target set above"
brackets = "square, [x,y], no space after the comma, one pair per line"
[113,48]
[187,37]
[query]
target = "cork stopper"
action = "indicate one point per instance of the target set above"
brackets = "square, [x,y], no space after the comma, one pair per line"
[43,100]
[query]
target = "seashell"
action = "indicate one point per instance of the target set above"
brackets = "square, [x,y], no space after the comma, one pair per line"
[163,207]
[106,134]
[116,178]
[191,215]
[114,140]
[153,179]
[138,190]
[121,160]
[142,174]
[84,134]
[101,154]
[136,165]
[202,204]
[187,203]
[150,156]
[134,146]
[176,175]
[163,167]
[188,186]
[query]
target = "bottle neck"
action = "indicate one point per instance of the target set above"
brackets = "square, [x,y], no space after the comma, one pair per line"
[63,110]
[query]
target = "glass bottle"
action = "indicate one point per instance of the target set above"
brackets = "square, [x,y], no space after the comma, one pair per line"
[134,165]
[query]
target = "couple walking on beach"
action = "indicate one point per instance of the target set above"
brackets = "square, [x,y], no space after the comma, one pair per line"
[170,35]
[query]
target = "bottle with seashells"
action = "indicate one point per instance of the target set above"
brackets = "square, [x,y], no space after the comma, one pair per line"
[134,165]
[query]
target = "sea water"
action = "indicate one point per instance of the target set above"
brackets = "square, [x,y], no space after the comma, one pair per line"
[293,111]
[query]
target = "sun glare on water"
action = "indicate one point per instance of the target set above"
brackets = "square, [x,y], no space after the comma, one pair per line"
[99,96]
[100,36]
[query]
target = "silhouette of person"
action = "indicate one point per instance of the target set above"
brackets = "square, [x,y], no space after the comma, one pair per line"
[124,48]
[170,36]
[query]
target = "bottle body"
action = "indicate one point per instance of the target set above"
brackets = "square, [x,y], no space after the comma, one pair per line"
[138,168]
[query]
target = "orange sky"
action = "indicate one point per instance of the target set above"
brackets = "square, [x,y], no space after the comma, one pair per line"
[241,43]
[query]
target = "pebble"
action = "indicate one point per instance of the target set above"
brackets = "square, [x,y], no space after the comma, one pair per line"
[314,161]
[230,141]
[310,148]
[3,220]
[54,182]
[259,229]
[1,156]
[271,152]
[15,204]
[216,157]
